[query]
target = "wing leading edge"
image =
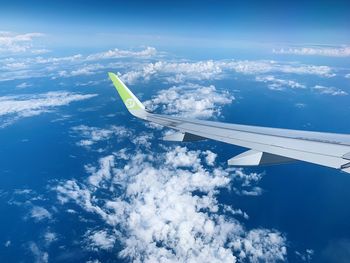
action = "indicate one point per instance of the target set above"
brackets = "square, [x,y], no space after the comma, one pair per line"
[267,145]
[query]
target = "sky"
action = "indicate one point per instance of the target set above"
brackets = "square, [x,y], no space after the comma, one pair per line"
[180,23]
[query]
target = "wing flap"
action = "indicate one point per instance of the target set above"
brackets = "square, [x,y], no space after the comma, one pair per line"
[253,158]
[182,137]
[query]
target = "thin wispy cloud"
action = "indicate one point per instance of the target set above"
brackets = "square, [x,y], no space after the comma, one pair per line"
[92,135]
[279,84]
[11,42]
[118,53]
[39,255]
[13,108]
[81,71]
[342,51]
[67,66]
[329,90]
[39,213]
[23,85]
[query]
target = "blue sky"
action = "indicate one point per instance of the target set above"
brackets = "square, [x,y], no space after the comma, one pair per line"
[223,23]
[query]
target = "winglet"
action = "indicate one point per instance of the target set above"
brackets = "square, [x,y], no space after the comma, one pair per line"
[134,106]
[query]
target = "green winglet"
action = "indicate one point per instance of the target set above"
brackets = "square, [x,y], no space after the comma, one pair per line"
[132,103]
[129,99]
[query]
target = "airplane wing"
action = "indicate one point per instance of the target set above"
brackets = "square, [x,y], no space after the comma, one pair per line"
[266,145]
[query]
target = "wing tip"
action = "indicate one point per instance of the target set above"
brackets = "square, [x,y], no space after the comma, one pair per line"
[132,103]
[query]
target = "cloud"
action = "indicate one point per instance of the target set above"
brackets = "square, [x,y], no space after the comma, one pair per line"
[279,84]
[306,256]
[39,213]
[100,240]
[343,51]
[160,217]
[93,135]
[245,183]
[261,246]
[22,67]
[16,107]
[322,71]
[191,100]
[23,85]
[329,91]
[180,72]
[143,139]
[50,237]
[103,173]
[39,255]
[15,66]
[267,66]
[83,70]
[347,76]
[117,53]
[176,72]
[300,105]
[138,68]
[18,43]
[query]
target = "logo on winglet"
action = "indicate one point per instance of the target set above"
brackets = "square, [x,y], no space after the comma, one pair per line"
[130,103]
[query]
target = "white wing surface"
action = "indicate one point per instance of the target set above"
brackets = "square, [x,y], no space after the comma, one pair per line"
[266,145]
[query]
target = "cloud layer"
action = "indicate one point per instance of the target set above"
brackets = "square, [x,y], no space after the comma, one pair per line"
[180,72]
[13,108]
[168,210]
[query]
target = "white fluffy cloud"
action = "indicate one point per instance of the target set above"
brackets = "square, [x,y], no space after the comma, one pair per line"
[100,240]
[13,108]
[191,100]
[245,183]
[279,84]
[176,72]
[343,51]
[329,90]
[160,218]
